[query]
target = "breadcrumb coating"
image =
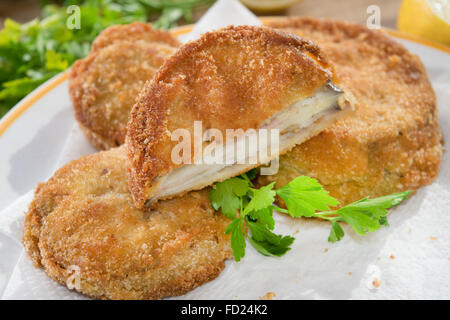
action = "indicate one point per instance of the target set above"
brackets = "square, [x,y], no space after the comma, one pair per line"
[392,142]
[83,219]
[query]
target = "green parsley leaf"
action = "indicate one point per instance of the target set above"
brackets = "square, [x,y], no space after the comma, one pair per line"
[264,216]
[384,222]
[362,222]
[370,214]
[304,195]
[226,195]
[14,89]
[336,232]
[237,239]
[262,233]
[378,205]
[268,249]
[55,62]
[262,198]
[168,18]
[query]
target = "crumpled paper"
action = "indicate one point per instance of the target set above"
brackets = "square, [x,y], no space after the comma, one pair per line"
[408,260]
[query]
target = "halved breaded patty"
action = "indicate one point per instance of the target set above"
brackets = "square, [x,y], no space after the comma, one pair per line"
[103,86]
[234,78]
[392,142]
[82,225]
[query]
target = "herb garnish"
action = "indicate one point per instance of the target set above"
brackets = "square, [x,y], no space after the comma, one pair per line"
[251,211]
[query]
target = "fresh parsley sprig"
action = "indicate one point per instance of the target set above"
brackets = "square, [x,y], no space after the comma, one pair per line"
[251,211]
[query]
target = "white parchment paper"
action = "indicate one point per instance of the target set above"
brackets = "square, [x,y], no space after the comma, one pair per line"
[410,259]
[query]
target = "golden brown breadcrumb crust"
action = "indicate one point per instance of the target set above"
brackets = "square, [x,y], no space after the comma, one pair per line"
[133,32]
[232,78]
[393,141]
[83,217]
[103,86]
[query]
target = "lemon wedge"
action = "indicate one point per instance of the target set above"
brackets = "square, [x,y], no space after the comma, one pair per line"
[429,19]
[269,5]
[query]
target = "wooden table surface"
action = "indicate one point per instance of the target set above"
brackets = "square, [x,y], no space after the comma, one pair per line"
[351,10]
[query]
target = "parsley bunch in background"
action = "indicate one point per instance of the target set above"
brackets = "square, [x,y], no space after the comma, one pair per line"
[33,52]
[251,211]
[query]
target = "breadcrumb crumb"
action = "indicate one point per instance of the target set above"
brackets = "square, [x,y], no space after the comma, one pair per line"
[376,283]
[268,296]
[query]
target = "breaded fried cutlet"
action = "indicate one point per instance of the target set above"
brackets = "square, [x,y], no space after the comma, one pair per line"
[103,86]
[84,231]
[234,78]
[392,142]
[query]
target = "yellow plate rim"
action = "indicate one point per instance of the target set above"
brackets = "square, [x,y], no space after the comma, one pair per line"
[32,98]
